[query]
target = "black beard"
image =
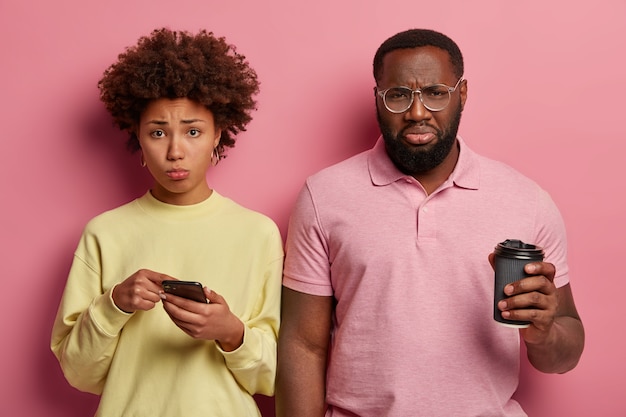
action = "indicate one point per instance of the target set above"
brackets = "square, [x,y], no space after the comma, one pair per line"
[419,160]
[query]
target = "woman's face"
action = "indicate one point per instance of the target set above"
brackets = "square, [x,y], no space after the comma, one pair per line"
[177,138]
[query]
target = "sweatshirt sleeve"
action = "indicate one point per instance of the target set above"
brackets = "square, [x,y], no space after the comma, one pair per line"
[253,364]
[87,325]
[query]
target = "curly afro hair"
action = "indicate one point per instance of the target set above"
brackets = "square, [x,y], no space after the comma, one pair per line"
[171,64]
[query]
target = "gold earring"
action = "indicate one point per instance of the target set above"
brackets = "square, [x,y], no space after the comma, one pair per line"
[215,156]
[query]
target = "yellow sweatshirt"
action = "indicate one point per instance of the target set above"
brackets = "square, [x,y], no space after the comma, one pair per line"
[142,364]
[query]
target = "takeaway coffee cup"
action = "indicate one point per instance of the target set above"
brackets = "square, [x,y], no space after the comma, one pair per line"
[510,258]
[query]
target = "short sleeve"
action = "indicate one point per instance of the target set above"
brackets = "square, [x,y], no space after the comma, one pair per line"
[307,267]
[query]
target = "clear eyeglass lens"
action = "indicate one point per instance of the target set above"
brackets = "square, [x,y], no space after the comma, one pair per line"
[434,97]
[398,99]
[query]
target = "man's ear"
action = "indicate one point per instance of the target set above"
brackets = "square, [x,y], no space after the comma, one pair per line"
[463,93]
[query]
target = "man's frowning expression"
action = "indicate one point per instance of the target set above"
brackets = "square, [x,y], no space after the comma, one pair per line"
[419,140]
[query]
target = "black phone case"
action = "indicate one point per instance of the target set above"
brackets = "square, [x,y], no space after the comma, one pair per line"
[187,289]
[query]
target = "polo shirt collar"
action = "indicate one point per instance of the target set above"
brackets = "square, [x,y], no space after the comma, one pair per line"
[466,173]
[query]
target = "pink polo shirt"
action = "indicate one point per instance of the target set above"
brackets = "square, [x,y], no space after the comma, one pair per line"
[413,333]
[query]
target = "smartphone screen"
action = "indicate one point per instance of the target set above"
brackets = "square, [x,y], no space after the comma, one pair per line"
[186,289]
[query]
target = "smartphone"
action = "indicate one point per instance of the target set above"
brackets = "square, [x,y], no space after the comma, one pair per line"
[187,289]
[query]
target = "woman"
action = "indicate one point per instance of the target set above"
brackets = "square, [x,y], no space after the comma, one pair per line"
[182,98]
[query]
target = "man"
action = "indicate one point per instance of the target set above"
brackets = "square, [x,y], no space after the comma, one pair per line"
[388,287]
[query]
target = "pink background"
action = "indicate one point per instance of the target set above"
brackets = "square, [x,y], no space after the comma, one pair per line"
[546,95]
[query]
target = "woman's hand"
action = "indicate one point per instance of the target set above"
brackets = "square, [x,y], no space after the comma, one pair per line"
[140,291]
[212,321]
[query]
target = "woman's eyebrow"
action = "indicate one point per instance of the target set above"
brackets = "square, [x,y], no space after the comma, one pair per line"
[189,121]
[156,122]
[164,122]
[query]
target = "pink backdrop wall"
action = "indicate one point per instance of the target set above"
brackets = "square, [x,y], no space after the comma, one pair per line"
[546,95]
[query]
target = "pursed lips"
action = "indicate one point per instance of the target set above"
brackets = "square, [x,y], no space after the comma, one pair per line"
[177,174]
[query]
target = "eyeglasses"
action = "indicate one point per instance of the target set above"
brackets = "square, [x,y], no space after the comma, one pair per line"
[434,97]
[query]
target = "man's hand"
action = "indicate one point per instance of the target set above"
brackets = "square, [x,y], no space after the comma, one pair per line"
[533,299]
[555,338]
